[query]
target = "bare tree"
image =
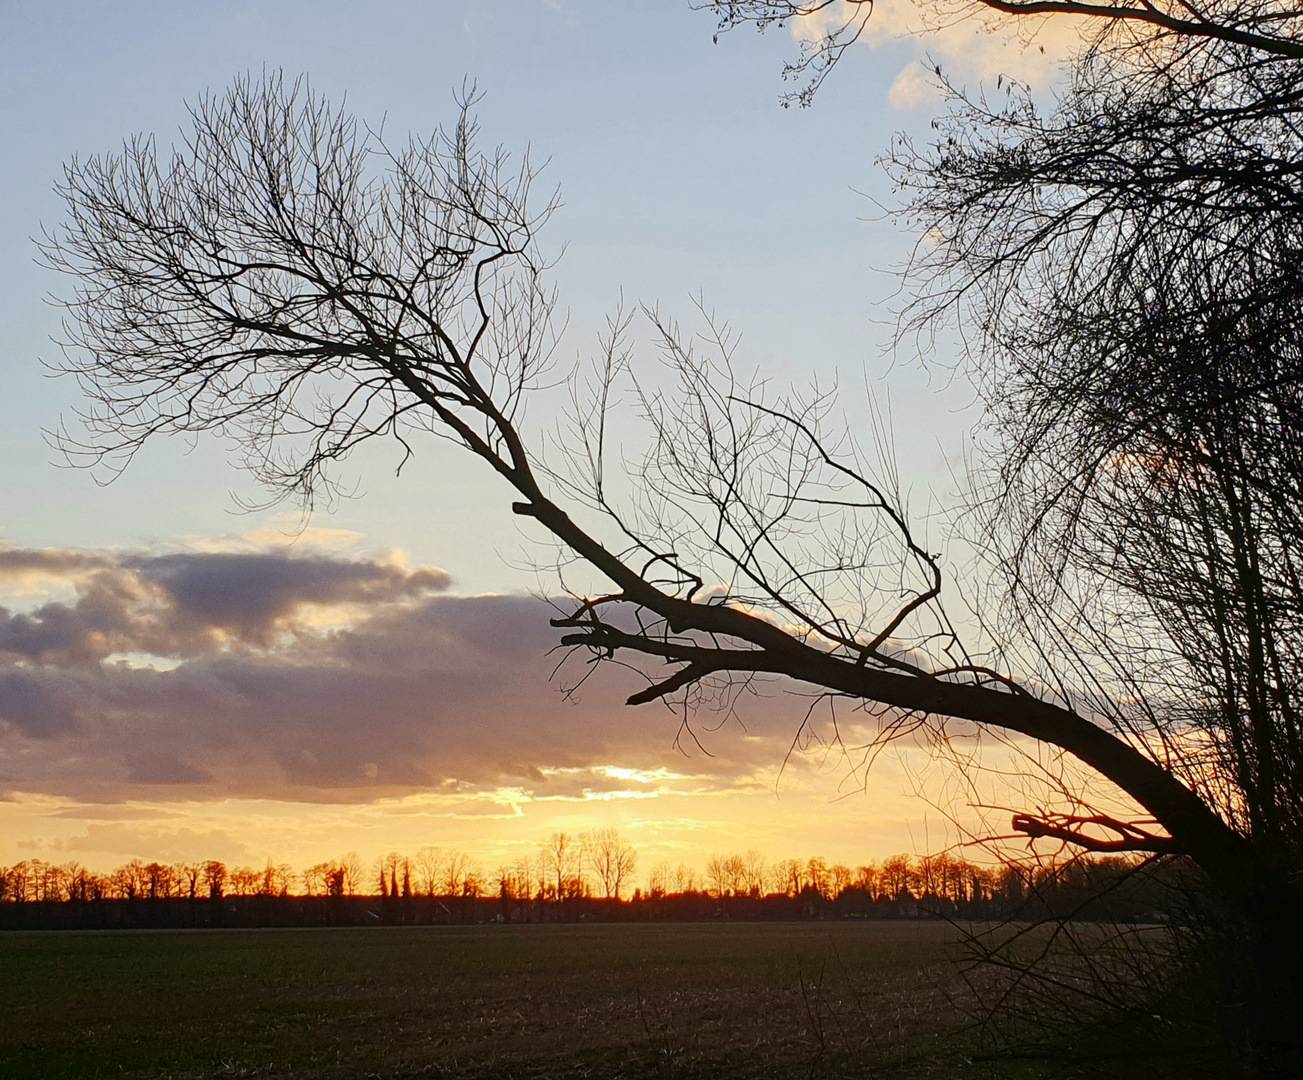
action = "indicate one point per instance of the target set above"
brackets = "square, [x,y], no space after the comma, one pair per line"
[160,881]
[754,874]
[351,864]
[717,876]
[685,879]
[262,286]
[894,876]
[817,876]
[1143,502]
[1130,264]
[788,877]
[244,881]
[461,876]
[276,879]
[611,858]
[427,863]
[190,873]
[78,882]
[1126,264]
[289,281]
[562,865]
[516,882]
[316,879]
[658,881]
[17,883]
[215,878]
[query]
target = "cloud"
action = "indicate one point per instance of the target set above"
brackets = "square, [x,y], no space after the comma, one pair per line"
[970,43]
[30,706]
[161,845]
[286,530]
[913,88]
[404,690]
[249,595]
[26,564]
[188,603]
[148,768]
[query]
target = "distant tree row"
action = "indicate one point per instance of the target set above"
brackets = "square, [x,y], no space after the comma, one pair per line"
[566,869]
[34,880]
[896,878]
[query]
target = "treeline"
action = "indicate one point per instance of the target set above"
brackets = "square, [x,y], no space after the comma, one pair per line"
[568,878]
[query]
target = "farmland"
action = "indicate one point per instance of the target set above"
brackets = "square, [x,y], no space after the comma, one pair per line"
[681,1000]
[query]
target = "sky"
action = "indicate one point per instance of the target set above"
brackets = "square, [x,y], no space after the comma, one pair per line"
[182,678]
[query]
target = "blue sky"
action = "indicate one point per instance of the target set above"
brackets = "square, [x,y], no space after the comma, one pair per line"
[680,176]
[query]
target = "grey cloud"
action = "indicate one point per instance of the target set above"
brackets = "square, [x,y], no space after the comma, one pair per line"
[147,768]
[102,812]
[247,593]
[181,604]
[31,706]
[54,561]
[423,689]
[516,771]
[100,623]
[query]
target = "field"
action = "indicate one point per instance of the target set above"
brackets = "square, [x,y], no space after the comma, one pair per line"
[662,1000]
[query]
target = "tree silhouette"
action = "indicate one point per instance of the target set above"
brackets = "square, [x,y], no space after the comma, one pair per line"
[1126,264]
[611,858]
[562,865]
[215,877]
[290,281]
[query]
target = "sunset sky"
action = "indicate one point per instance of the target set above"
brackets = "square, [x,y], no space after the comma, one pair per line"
[183,679]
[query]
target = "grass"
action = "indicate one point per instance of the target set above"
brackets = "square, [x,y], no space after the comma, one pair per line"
[671,1000]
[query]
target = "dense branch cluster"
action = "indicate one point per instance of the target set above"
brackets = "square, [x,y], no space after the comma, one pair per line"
[1130,264]
[830,27]
[1124,264]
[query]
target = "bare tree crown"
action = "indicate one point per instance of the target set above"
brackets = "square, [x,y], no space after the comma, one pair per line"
[289,281]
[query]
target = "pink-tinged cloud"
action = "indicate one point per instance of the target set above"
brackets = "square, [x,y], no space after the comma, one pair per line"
[186,604]
[252,692]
